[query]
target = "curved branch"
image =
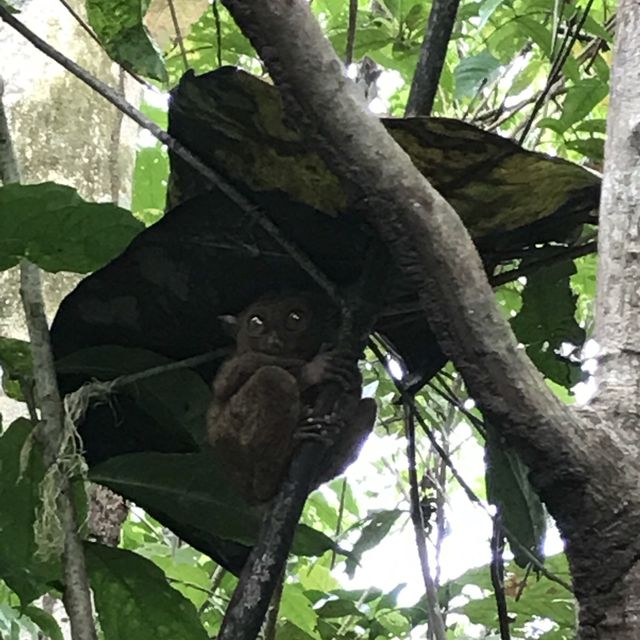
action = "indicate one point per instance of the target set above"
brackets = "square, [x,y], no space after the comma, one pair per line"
[431,245]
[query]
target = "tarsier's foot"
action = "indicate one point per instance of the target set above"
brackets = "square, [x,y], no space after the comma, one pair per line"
[325,428]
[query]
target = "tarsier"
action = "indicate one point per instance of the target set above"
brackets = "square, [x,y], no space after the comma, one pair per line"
[263,393]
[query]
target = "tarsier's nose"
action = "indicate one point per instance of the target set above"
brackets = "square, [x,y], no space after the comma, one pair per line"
[274,341]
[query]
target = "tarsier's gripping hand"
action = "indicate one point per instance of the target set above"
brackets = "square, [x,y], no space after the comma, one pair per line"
[331,366]
[262,393]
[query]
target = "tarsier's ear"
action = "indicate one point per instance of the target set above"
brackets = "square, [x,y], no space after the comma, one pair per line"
[229,324]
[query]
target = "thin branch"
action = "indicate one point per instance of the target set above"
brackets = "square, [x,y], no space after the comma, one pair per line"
[435,621]
[473,498]
[351,32]
[432,56]
[180,150]
[556,69]
[270,626]
[343,493]
[179,38]
[497,577]
[216,19]
[77,595]
[549,260]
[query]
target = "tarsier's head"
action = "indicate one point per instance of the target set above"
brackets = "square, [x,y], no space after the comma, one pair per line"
[289,325]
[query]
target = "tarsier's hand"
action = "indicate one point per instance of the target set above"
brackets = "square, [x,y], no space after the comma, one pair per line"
[331,366]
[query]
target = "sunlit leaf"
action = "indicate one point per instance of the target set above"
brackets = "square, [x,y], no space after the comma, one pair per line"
[51,225]
[157,610]
[473,72]
[119,27]
[15,363]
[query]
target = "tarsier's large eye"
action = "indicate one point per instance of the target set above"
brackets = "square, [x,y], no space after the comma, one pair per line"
[296,320]
[255,325]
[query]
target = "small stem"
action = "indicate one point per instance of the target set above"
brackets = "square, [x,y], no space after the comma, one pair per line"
[436,623]
[176,26]
[497,577]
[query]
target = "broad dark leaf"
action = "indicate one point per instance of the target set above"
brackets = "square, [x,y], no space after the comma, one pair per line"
[51,225]
[15,361]
[193,490]
[20,567]
[508,487]
[547,320]
[176,400]
[45,621]
[134,600]
[372,534]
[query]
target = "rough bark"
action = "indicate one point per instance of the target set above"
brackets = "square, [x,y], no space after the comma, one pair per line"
[613,611]
[576,465]
[432,55]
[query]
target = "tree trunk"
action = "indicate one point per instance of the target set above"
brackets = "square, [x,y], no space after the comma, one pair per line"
[586,470]
[93,149]
[610,603]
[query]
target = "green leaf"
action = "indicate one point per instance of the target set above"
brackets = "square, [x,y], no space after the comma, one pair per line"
[372,534]
[580,100]
[20,568]
[150,179]
[547,320]
[44,620]
[487,8]
[338,609]
[539,598]
[15,361]
[290,631]
[9,7]
[591,148]
[595,125]
[134,600]
[538,32]
[118,25]
[508,487]
[51,225]
[296,608]
[311,542]
[593,27]
[473,71]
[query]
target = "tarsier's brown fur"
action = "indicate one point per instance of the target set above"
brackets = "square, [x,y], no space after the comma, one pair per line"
[262,393]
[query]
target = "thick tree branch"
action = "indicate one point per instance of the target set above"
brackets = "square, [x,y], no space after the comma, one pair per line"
[431,245]
[432,55]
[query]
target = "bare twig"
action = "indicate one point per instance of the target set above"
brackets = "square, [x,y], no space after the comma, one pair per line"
[216,19]
[180,150]
[351,32]
[343,493]
[432,55]
[179,38]
[473,498]
[556,69]
[436,623]
[497,577]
